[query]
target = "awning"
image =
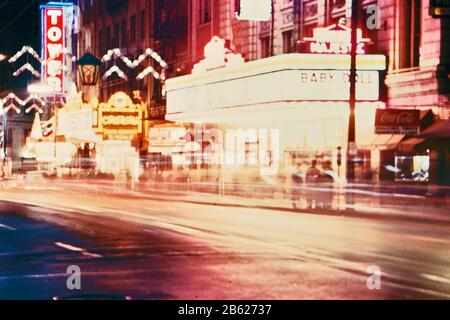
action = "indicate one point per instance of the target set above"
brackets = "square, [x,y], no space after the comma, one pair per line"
[410,144]
[83,137]
[387,141]
[440,130]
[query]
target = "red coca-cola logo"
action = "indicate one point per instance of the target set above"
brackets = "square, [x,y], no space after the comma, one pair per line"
[399,118]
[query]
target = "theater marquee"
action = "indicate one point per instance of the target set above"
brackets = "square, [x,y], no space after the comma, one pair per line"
[304,77]
[336,39]
[120,118]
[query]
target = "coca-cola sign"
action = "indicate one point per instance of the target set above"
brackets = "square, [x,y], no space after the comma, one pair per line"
[396,121]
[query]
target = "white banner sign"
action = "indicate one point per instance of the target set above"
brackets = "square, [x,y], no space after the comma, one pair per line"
[255,10]
[284,85]
[73,123]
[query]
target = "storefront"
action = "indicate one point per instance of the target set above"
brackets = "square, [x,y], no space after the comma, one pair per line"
[281,112]
[399,150]
[91,137]
[122,125]
[427,155]
[164,139]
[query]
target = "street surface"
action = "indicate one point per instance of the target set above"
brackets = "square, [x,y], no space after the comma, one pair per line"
[132,243]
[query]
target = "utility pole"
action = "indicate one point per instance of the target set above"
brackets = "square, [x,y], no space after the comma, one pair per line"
[3,115]
[296,32]
[352,102]
[272,31]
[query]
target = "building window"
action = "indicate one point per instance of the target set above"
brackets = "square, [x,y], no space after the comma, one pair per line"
[108,39]
[181,26]
[101,41]
[416,35]
[265,47]
[124,34]
[116,38]
[237,6]
[308,30]
[372,34]
[287,41]
[143,24]
[205,11]
[133,28]
[410,34]
[9,138]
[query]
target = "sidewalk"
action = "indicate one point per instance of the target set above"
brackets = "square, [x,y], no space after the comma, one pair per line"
[343,202]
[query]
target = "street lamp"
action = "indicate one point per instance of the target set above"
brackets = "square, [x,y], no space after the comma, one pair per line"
[89,69]
[2,57]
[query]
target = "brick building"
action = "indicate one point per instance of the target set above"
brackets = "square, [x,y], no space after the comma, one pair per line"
[413,41]
[179,29]
[417,47]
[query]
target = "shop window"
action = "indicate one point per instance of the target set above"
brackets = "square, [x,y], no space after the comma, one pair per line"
[412,168]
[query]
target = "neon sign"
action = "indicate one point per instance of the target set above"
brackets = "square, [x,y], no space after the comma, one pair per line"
[336,39]
[56,44]
[120,118]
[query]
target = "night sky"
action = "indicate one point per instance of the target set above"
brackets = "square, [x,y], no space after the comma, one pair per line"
[19,26]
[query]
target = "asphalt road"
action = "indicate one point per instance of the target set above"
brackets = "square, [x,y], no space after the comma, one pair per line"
[147,249]
[116,258]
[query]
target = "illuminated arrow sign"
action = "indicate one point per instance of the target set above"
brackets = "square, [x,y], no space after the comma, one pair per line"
[335,39]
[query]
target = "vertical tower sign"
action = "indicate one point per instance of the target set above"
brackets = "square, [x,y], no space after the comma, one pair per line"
[55,46]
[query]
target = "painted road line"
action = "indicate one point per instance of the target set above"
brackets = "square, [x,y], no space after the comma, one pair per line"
[7,227]
[84,252]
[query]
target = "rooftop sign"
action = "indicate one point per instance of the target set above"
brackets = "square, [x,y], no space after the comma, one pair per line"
[336,39]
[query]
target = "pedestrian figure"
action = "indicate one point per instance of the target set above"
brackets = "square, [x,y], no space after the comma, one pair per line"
[312,177]
[297,188]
